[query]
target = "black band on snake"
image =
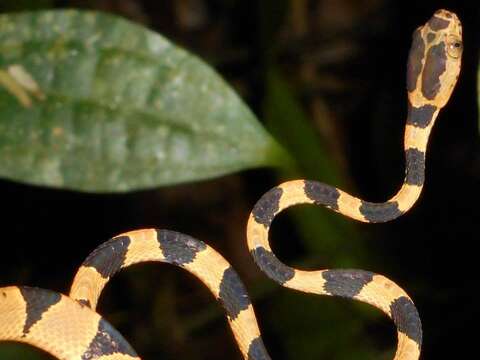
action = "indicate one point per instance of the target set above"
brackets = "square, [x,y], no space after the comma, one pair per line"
[72,330]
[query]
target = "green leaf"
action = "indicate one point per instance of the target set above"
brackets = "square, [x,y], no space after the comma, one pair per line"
[112,106]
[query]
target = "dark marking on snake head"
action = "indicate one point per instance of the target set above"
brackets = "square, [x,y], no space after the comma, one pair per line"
[322,194]
[436,23]
[435,66]
[420,116]
[406,318]
[109,257]
[415,165]
[415,57]
[346,283]
[443,13]
[107,341]
[380,212]
[85,302]
[232,294]
[179,249]
[271,266]
[257,351]
[38,301]
[430,37]
[4,294]
[265,209]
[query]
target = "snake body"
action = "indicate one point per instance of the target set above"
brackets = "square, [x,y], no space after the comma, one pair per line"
[186,252]
[432,72]
[70,329]
[59,325]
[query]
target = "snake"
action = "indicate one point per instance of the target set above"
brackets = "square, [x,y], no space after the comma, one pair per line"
[69,327]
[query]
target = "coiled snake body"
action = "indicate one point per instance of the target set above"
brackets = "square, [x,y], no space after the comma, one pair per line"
[69,327]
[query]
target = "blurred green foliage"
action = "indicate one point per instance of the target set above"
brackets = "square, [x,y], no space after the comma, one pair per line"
[20,5]
[12,351]
[322,329]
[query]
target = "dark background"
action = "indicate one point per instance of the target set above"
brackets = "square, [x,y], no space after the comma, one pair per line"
[345,61]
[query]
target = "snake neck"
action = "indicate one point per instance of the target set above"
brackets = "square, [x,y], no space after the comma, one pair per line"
[417,132]
[420,121]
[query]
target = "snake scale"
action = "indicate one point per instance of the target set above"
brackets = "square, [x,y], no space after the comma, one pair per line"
[69,328]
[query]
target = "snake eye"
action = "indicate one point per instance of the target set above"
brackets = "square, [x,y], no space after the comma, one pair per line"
[454,47]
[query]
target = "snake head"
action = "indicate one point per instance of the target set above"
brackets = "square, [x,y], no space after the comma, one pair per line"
[434,60]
